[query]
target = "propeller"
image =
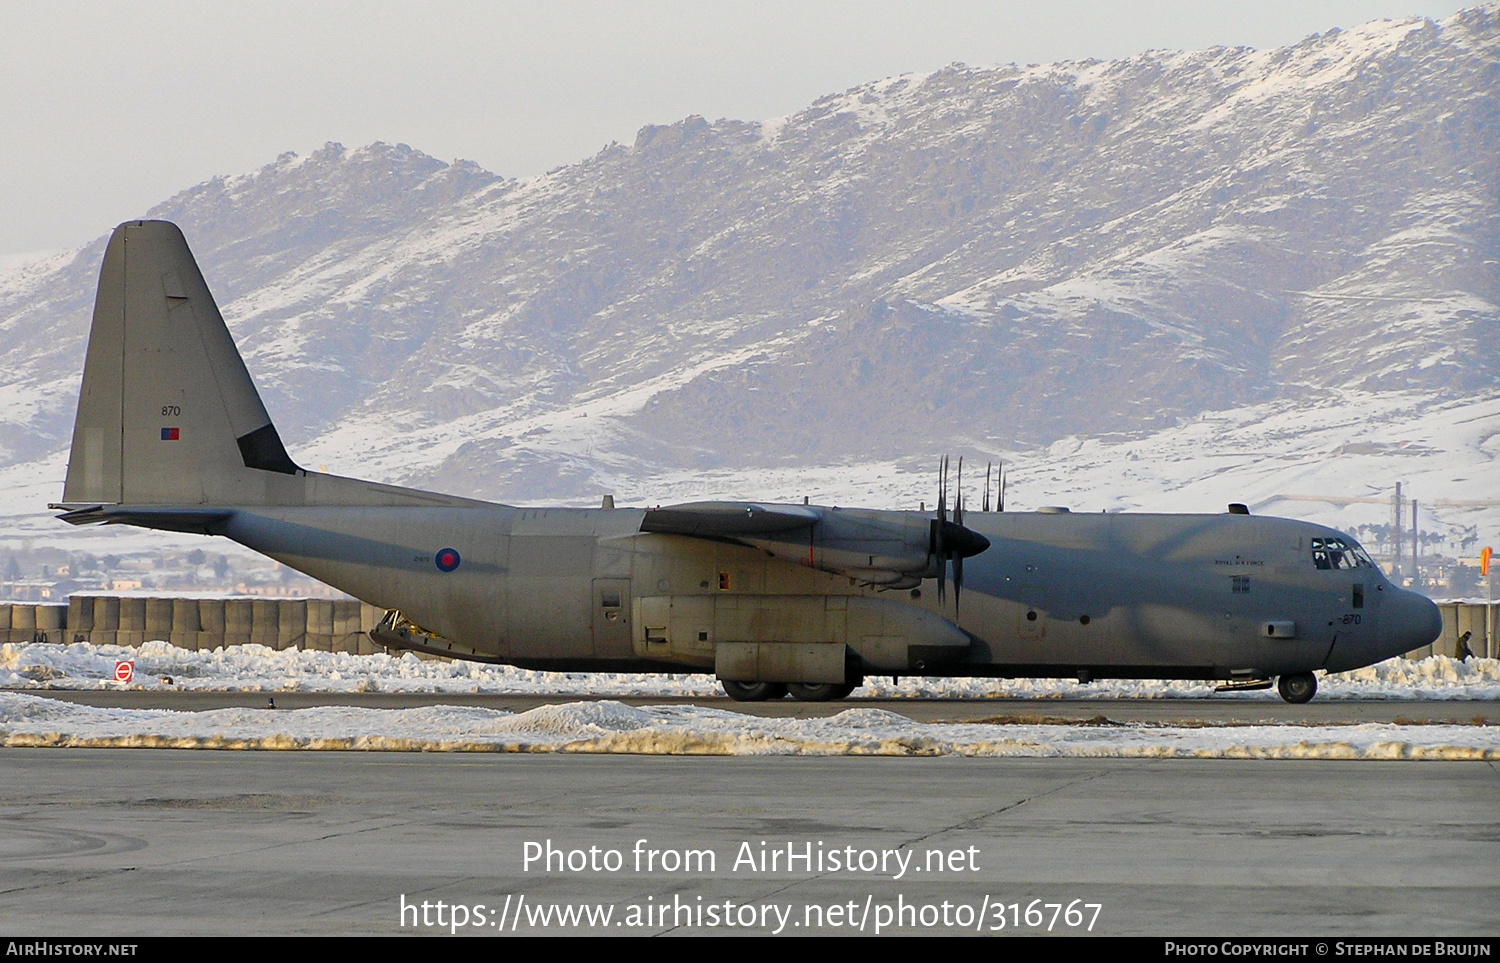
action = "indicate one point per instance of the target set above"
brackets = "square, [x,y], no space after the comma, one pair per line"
[938,548]
[951,541]
[999,488]
[958,519]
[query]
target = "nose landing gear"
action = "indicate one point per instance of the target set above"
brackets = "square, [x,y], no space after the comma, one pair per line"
[1297,688]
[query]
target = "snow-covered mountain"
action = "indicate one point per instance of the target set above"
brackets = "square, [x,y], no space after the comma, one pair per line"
[1087,256]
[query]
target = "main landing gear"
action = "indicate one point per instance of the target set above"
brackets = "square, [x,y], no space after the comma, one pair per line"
[801,691]
[821,692]
[753,691]
[1298,687]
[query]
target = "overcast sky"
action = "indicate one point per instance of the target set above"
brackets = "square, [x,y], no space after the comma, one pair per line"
[109,108]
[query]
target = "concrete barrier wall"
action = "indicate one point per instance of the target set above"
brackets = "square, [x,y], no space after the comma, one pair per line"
[346,627]
[210,623]
[265,622]
[159,618]
[80,618]
[237,616]
[185,623]
[319,625]
[31,621]
[132,621]
[326,625]
[106,620]
[52,619]
[291,630]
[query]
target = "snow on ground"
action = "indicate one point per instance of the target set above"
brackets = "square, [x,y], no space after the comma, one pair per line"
[31,720]
[256,668]
[611,727]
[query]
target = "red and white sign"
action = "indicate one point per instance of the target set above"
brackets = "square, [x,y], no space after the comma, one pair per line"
[124,671]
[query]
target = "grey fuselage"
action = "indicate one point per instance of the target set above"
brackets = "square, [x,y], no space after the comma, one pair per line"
[1115,595]
[172,434]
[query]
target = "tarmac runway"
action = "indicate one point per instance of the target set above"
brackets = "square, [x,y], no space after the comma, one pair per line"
[152,842]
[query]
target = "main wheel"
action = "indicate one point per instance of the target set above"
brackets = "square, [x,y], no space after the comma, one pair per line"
[1298,687]
[753,691]
[819,692]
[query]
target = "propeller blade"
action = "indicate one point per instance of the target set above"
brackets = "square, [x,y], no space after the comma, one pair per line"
[958,520]
[938,546]
[958,499]
[987,467]
[943,489]
[958,582]
[939,542]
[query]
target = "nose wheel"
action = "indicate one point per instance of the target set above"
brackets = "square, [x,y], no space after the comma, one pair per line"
[1297,688]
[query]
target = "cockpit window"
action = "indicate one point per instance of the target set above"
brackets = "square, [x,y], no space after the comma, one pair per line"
[1338,553]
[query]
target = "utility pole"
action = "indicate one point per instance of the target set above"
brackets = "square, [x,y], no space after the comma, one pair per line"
[1416,577]
[1396,536]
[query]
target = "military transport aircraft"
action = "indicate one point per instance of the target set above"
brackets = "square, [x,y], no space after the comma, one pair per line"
[805,599]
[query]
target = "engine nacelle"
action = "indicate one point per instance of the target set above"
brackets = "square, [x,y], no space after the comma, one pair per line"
[889,547]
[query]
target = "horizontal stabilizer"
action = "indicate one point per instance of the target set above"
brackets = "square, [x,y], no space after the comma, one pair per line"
[198,521]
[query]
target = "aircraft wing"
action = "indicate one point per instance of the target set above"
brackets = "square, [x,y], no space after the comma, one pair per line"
[893,549]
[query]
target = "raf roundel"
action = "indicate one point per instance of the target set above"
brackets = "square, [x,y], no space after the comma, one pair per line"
[446,559]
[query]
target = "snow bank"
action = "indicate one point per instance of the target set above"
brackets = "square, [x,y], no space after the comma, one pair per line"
[255,668]
[610,727]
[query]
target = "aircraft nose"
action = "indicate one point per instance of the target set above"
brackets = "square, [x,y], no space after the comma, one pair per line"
[1412,622]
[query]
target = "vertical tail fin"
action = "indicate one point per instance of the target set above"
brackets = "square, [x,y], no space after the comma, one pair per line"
[168,414]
